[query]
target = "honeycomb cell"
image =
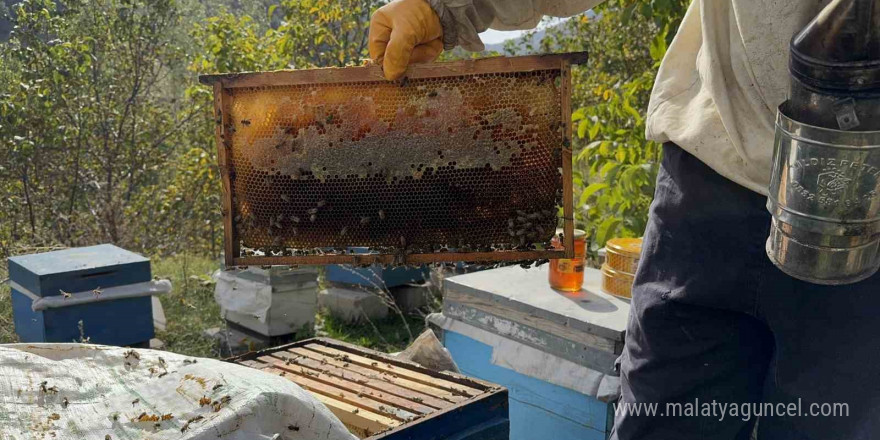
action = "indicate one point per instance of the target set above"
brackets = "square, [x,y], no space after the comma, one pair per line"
[468,162]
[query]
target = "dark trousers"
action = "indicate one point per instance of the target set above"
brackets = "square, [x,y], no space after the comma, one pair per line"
[713,320]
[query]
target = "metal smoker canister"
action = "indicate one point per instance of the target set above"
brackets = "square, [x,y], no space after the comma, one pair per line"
[824,193]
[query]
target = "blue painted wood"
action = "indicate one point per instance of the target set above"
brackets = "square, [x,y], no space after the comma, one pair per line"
[538,409]
[78,269]
[119,322]
[375,274]
[483,419]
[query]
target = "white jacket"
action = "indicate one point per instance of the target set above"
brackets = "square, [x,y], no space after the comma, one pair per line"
[718,87]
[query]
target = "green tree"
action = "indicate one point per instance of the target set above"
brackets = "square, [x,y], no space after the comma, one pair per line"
[615,166]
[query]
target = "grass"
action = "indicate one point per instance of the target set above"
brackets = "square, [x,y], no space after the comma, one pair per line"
[190,308]
[389,334]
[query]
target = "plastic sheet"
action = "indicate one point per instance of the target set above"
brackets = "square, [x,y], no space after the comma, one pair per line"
[94,392]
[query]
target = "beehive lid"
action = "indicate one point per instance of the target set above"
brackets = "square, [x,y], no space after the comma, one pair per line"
[586,327]
[73,267]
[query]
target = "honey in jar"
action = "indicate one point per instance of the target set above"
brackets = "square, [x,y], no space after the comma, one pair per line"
[568,274]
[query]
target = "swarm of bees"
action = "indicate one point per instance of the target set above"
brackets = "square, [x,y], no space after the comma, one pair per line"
[525,228]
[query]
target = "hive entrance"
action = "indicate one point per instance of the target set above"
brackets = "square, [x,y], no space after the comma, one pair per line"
[320,160]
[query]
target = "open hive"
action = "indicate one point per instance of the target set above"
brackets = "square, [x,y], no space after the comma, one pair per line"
[467,160]
[377,396]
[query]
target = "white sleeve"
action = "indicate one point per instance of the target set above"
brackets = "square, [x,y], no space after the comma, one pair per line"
[463,20]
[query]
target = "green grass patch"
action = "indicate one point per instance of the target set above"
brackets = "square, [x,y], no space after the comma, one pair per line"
[389,334]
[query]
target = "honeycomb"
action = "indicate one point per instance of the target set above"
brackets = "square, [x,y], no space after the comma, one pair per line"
[462,162]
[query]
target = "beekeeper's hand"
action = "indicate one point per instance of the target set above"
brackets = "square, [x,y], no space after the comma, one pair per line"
[404,32]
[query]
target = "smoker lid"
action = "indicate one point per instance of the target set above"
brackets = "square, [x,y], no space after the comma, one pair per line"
[840,48]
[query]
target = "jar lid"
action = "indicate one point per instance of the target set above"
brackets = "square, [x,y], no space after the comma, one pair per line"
[578,233]
[631,247]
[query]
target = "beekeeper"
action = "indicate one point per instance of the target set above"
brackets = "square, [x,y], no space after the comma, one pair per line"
[714,323]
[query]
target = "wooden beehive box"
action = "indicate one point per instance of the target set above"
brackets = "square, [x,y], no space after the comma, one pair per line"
[379,397]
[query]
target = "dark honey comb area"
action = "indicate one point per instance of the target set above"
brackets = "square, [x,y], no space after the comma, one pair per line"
[454,161]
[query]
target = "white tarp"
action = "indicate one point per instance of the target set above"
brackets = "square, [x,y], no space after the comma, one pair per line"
[87,392]
[240,295]
[532,362]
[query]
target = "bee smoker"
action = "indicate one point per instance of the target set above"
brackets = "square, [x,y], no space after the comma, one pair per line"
[824,194]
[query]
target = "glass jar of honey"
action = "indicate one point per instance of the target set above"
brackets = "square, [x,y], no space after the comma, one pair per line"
[568,274]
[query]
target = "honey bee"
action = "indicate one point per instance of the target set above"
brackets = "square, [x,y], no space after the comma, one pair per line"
[204,401]
[294,219]
[321,203]
[313,211]
[343,231]
[432,94]
[97,291]
[54,416]
[107,437]
[166,417]
[285,198]
[65,402]
[365,220]
[381,215]
[217,387]
[66,295]
[43,386]
[135,402]
[245,122]
[313,217]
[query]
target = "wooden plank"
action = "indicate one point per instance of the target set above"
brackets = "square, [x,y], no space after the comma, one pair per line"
[356,417]
[471,382]
[373,73]
[525,318]
[373,374]
[320,374]
[386,368]
[567,185]
[221,124]
[435,257]
[420,401]
[317,387]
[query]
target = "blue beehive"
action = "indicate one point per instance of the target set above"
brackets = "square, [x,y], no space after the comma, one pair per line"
[374,275]
[121,322]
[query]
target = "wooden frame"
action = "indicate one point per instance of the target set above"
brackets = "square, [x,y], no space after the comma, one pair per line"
[352,381]
[221,83]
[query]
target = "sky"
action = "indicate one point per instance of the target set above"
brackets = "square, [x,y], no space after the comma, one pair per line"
[492,36]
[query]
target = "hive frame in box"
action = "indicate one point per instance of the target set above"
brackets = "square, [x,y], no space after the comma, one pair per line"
[488,405]
[223,83]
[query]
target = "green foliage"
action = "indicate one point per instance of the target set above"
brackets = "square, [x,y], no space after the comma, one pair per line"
[106,137]
[615,166]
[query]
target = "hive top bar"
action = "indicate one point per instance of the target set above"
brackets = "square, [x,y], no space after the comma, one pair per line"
[374,72]
[78,269]
[76,259]
[527,290]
